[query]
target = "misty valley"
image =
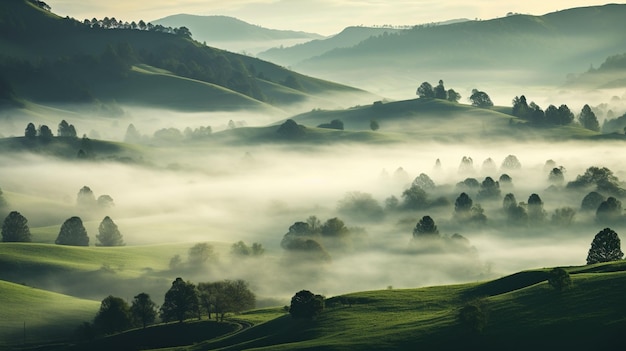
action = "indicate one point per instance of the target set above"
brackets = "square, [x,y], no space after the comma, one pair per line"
[157,192]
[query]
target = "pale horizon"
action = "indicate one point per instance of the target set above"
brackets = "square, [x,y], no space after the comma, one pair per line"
[324,17]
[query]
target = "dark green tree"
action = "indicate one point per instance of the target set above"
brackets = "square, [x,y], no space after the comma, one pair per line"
[592,201]
[306,305]
[556,176]
[605,247]
[520,108]
[66,130]
[143,310]
[425,227]
[588,119]
[425,90]
[15,228]
[559,279]
[473,317]
[181,302]
[453,96]
[291,129]
[44,133]
[480,99]
[109,234]
[73,233]
[113,316]
[489,189]
[609,210]
[440,91]
[30,132]
[374,125]
[414,198]
[565,115]
[536,213]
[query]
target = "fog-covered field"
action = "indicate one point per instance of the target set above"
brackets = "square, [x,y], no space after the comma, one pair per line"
[254,194]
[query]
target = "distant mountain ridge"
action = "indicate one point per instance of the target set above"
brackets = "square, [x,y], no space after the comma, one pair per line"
[548,46]
[234,34]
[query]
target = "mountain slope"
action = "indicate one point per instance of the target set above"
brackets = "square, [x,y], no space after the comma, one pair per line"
[348,37]
[60,60]
[518,48]
[233,34]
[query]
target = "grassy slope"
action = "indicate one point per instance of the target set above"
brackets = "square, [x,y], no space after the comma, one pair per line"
[522,308]
[51,37]
[48,316]
[439,120]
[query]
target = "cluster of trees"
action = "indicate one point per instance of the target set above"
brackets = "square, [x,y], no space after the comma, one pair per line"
[427,91]
[112,23]
[184,300]
[311,238]
[86,199]
[334,124]
[553,115]
[15,229]
[43,132]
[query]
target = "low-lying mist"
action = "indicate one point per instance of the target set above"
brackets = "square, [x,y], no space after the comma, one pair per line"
[255,194]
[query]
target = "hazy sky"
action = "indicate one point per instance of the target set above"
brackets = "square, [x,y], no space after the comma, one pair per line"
[321,16]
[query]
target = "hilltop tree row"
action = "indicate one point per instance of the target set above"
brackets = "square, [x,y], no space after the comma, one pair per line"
[184,300]
[112,23]
[553,115]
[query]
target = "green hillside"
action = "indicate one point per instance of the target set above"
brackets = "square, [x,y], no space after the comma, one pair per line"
[523,312]
[434,119]
[49,59]
[37,316]
[536,48]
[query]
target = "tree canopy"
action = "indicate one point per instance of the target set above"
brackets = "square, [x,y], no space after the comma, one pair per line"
[73,233]
[15,228]
[181,302]
[143,310]
[113,316]
[480,99]
[425,227]
[605,247]
[306,305]
[109,234]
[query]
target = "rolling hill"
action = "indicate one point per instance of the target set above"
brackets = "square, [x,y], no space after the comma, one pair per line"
[523,48]
[521,307]
[232,34]
[53,60]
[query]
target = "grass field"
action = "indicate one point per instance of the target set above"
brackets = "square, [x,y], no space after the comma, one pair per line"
[42,315]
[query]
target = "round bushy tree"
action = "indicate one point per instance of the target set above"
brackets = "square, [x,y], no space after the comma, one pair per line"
[306,305]
[15,228]
[605,247]
[73,233]
[109,234]
[113,316]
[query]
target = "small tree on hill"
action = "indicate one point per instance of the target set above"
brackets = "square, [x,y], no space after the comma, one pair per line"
[425,90]
[480,99]
[181,302]
[113,316]
[109,234]
[44,133]
[30,132]
[559,279]
[440,91]
[73,233]
[15,228]
[143,310]
[605,247]
[85,197]
[306,305]
[588,119]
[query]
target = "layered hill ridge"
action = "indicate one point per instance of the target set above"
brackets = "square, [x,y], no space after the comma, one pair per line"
[51,59]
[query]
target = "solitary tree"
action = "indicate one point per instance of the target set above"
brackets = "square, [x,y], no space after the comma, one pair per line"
[181,302]
[453,96]
[535,208]
[425,227]
[143,310]
[440,91]
[73,233]
[588,119]
[109,234]
[15,228]
[201,253]
[44,132]
[480,99]
[113,316]
[306,305]
[605,247]
[559,279]
[374,125]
